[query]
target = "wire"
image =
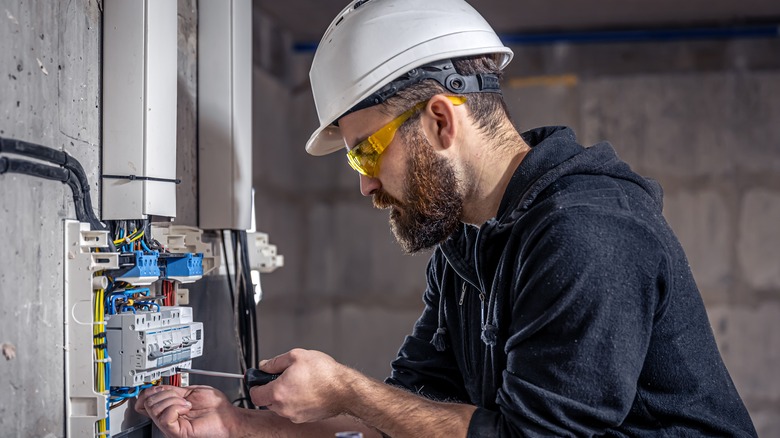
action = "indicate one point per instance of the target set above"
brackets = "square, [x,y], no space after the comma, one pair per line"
[39,170]
[242,300]
[116,405]
[102,364]
[130,238]
[69,163]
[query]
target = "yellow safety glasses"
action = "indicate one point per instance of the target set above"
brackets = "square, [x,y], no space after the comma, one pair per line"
[364,157]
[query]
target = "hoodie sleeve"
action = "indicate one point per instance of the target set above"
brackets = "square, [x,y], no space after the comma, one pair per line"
[587,288]
[419,367]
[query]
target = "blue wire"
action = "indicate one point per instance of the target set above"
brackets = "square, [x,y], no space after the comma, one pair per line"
[119,395]
[108,399]
[145,246]
[108,373]
[150,303]
[124,294]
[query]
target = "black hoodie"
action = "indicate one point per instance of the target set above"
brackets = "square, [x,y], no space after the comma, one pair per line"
[572,313]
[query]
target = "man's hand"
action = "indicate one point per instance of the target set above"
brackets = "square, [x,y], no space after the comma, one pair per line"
[311,387]
[194,411]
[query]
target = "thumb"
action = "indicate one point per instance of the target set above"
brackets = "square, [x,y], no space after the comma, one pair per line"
[277,364]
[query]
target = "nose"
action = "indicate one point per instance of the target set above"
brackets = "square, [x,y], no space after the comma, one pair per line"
[368,185]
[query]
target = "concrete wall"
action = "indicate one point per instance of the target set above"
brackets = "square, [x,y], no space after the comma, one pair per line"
[702,117]
[49,94]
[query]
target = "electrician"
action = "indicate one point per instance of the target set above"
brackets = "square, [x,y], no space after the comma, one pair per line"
[559,302]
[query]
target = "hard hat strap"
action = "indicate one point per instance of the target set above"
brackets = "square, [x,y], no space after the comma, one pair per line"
[442,72]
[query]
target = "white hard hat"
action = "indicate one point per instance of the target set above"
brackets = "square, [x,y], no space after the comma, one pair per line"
[373,42]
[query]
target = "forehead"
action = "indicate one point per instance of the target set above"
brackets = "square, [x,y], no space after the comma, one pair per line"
[356,127]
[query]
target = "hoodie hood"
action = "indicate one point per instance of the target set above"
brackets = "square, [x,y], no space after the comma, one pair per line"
[554,154]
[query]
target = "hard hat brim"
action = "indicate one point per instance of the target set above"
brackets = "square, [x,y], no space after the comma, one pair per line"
[325,140]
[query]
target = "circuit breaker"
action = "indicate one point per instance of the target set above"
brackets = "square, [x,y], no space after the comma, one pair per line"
[147,346]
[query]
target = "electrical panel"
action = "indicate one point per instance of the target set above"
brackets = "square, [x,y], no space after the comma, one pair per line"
[125,329]
[126,326]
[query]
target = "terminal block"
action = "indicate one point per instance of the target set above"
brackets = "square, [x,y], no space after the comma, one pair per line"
[182,267]
[138,267]
[147,345]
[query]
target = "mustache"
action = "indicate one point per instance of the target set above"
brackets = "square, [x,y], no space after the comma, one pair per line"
[383,201]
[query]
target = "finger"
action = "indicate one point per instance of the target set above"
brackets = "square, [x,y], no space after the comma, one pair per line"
[279,363]
[263,395]
[168,419]
[162,400]
[140,404]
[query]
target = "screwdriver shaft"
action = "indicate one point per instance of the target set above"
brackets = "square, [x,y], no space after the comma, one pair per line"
[210,373]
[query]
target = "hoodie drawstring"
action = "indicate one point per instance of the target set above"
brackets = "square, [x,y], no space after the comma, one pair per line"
[489,331]
[439,339]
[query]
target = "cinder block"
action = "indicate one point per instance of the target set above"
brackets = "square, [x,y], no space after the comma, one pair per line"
[553,104]
[317,327]
[273,159]
[758,247]
[325,256]
[369,337]
[283,219]
[755,110]
[749,342]
[669,124]
[702,222]
[356,254]
[277,327]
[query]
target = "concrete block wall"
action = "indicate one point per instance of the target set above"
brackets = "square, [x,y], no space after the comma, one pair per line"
[701,117]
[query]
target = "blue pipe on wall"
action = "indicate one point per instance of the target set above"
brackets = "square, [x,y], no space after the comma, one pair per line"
[621,36]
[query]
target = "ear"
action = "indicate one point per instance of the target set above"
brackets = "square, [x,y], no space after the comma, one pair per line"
[441,123]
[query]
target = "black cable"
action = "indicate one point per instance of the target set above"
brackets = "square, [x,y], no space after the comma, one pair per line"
[227,272]
[250,294]
[20,147]
[66,176]
[244,304]
[236,303]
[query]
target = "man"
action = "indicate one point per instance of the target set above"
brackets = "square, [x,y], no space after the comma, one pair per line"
[559,303]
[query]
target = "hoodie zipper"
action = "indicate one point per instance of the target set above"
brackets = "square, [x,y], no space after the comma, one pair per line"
[467,318]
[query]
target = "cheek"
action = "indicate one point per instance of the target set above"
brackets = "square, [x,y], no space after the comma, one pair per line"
[392,171]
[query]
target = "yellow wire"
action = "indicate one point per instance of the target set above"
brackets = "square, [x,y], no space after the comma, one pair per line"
[100,375]
[130,239]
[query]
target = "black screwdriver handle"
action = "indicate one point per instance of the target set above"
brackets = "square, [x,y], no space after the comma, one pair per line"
[255,377]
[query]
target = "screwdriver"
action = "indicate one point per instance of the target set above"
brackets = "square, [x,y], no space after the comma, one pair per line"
[253,376]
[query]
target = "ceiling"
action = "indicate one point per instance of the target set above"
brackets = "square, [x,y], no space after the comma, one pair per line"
[306,20]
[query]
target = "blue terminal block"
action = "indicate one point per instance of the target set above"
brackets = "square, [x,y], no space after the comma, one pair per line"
[184,267]
[144,269]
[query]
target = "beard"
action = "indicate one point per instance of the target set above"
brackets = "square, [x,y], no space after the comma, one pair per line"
[433,205]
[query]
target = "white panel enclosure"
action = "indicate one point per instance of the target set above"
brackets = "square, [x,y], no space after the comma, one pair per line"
[139,108]
[225,114]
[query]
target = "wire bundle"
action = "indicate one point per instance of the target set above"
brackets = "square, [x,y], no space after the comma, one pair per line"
[140,238]
[70,173]
[120,301]
[242,297]
[102,361]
